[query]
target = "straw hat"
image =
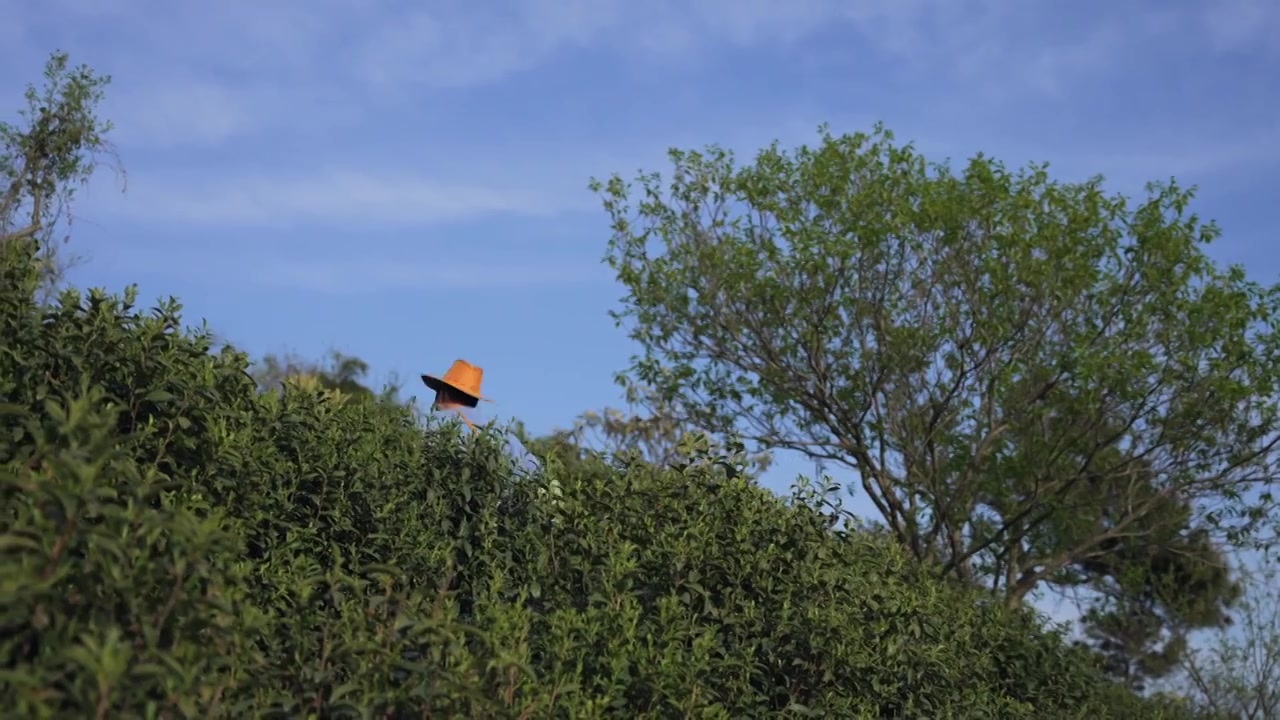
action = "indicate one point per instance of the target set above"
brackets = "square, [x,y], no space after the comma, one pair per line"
[462,377]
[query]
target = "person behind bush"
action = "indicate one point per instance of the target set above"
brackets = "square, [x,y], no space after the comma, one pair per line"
[458,397]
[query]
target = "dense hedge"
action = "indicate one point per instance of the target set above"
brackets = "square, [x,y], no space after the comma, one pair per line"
[176,544]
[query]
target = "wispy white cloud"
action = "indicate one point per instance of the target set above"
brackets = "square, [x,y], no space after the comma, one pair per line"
[1129,164]
[238,67]
[1242,25]
[1192,161]
[356,264]
[347,198]
[235,79]
[188,112]
[346,277]
[372,48]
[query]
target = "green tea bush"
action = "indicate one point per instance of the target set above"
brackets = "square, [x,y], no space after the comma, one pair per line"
[175,543]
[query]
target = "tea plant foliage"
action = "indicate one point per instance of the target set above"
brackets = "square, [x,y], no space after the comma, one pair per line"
[176,543]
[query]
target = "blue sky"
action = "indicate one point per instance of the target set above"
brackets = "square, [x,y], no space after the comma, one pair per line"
[409,185]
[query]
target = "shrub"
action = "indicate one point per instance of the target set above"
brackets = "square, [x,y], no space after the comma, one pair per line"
[176,543]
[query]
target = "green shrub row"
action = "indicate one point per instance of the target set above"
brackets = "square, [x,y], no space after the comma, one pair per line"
[175,543]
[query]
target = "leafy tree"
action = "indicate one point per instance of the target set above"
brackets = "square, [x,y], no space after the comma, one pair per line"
[338,371]
[1024,375]
[1150,597]
[646,430]
[1237,674]
[47,156]
[1146,589]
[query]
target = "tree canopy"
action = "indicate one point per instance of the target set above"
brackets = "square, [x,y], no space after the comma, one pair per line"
[1237,675]
[50,153]
[647,431]
[338,371]
[1028,378]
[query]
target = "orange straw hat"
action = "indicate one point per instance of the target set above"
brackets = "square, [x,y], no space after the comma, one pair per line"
[462,376]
